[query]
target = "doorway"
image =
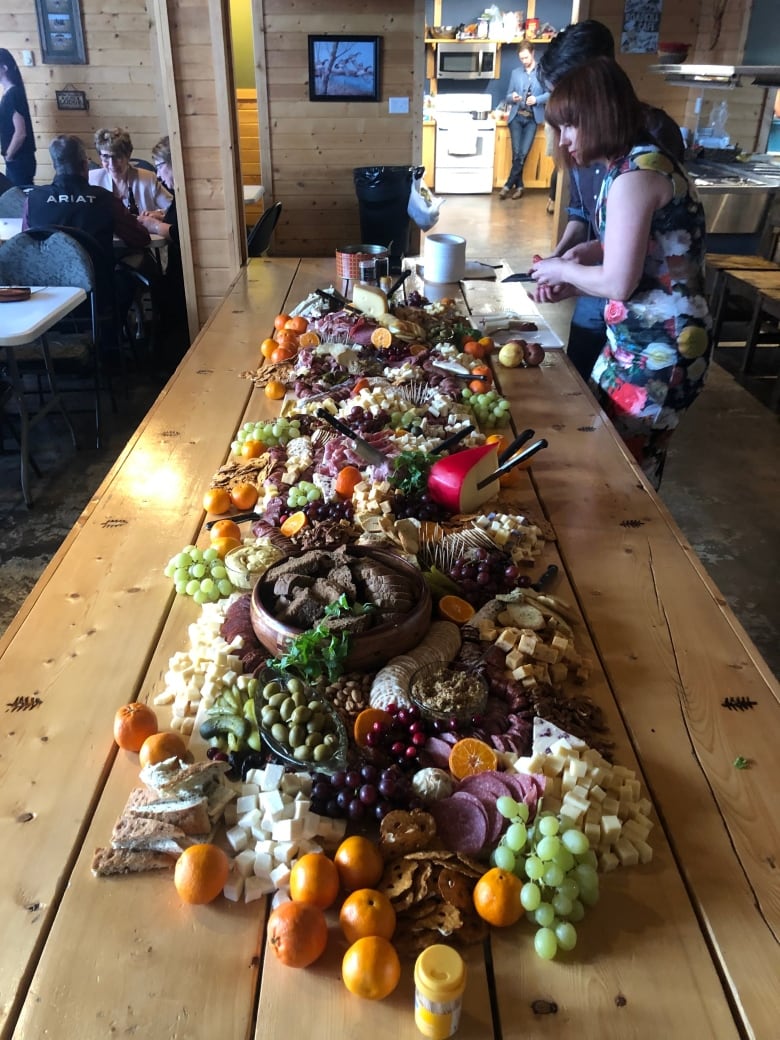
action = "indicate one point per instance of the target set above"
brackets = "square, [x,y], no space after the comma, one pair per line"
[247,116]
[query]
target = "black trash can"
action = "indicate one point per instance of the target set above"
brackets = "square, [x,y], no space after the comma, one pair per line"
[383,198]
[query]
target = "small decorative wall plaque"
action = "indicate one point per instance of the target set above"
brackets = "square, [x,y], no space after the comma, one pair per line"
[71,100]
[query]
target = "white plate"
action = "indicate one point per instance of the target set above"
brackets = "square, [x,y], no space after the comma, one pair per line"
[543,334]
[473,270]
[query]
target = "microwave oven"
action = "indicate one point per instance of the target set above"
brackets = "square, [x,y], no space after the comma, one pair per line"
[467,60]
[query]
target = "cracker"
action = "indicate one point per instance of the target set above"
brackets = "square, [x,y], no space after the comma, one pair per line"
[402,831]
[472,866]
[455,889]
[397,878]
[472,929]
[444,917]
[422,874]
[421,909]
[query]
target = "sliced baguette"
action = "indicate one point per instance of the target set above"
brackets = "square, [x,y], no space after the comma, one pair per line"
[189,813]
[140,833]
[106,862]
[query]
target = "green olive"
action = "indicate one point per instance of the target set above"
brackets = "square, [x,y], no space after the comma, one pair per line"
[297,736]
[270,716]
[301,714]
[314,740]
[302,754]
[295,686]
[276,699]
[322,753]
[280,732]
[317,723]
[271,689]
[287,708]
[330,739]
[300,698]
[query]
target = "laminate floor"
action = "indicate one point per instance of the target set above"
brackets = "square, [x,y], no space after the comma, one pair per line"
[721,483]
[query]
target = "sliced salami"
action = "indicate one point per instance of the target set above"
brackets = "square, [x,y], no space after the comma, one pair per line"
[461,823]
[438,751]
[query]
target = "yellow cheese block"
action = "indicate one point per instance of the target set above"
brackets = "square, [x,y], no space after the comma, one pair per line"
[370,300]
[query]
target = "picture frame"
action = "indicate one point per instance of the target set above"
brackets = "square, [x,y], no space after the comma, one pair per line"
[344,68]
[60,32]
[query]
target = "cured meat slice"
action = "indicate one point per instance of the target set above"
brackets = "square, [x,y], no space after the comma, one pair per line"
[461,823]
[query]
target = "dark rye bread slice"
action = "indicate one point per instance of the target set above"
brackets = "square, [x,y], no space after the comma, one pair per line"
[106,862]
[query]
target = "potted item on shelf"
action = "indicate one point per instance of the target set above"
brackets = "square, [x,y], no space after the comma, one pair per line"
[672,53]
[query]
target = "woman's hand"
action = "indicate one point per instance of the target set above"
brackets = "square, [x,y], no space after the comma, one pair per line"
[151,214]
[588,253]
[551,271]
[554,293]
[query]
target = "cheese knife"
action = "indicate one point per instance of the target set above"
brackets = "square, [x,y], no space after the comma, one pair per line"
[514,461]
[363,448]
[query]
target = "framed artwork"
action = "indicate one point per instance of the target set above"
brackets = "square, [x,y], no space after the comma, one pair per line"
[59,27]
[344,68]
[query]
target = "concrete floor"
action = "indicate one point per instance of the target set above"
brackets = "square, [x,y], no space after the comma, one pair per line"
[721,483]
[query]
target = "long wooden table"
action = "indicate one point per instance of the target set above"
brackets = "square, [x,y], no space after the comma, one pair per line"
[684,947]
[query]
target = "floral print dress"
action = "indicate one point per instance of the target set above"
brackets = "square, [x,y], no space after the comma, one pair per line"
[658,346]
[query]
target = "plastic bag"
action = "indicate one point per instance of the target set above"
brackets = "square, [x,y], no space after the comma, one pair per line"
[423,205]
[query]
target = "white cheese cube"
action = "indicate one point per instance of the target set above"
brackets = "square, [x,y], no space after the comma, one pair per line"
[256,888]
[554,765]
[644,850]
[645,806]
[577,767]
[280,875]
[305,782]
[527,643]
[237,839]
[568,782]
[507,639]
[289,784]
[634,830]
[514,659]
[572,812]
[265,845]
[610,806]
[553,787]
[281,895]
[288,809]
[285,852]
[592,833]
[301,808]
[255,777]
[261,833]
[581,792]
[306,845]
[311,825]
[608,861]
[244,862]
[610,828]
[593,815]
[272,777]
[250,820]
[234,886]
[287,830]
[626,852]
[524,673]
[247,789]
[263,864]
[597,794]
[272,803]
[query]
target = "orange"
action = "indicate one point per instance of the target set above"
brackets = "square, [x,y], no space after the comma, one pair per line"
[417,348]
[381,337]
[470,756]
[309,339]
[281,320]
[499,440]
[284,352]
[347,480]
[480,386]
[298,324]
[314,879]
[453,608]
[252,449]
[160,746]
[360,384]
[298,934]
[224,545]
[293,523]
[200,873]
[133,723]
[367,912]
[474,347]
[487,342]
[275,390]
[359,863]
[216,500]
[225,529]
[287,338]
[497,897]
[244,495]
[267,347]
[371,968]
[365,721]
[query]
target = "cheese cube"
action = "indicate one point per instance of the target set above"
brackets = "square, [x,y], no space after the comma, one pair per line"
[577,767]
[281,895]
[545,653]
[237,839]
[290,784]
[261,833]
[255,777]
[287,830]
[527,643]
[645,806]
[285,851]
[280,875]
[263,864]
[610,827]
[592,833]
[250,819]
[597,794]
[305,783]
[234,886]
[244,862]
[271,776]
[265,845]
[558,674]
[644,850]
[610,806]
[582,792]
[247,789]
[568,782]
[507,639]
[626,852]
[301,808]
[524,673]
[514,659]
[608,861]
[256,888]
[572,812]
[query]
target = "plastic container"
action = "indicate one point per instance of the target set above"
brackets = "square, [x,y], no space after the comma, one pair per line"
[439,982]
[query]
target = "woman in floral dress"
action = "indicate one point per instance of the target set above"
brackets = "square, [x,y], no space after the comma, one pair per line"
[649,262]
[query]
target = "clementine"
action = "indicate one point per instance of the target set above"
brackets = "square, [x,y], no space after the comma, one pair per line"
[487,342]
[474,348]
[281,320]
[244,495]
[454,608]
[200,873]
[298,933]
[252,449]
[314,879]
[160,746]
[470,756]
[298,324]
[275,390]
[133,723]
[481,386]
[225,529]
[371,968]
[284,352]
[223,545]
[359,863]
[367,912]
[497,897]
[364,723]
[347,480]
[267,347]
[216,500]
[293,524]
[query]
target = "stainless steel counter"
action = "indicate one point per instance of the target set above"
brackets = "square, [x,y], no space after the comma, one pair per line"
[736,196]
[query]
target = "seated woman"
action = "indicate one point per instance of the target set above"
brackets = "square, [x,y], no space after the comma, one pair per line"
[138,189]
[171,298]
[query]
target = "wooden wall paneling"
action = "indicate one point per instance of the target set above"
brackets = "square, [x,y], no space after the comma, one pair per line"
[158,11]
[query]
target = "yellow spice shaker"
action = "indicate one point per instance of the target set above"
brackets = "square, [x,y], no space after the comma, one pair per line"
[439,980]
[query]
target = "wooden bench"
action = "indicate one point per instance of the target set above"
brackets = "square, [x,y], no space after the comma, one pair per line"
[753,284]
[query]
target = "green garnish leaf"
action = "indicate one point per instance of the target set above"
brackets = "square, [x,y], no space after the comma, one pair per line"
[410,471]
[740,762]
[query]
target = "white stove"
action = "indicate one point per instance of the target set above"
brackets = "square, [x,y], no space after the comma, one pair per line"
[465,144]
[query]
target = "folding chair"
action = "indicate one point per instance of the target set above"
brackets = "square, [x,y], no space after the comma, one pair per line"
[260,236]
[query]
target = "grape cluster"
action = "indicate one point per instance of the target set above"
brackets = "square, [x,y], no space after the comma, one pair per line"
[270,434]
[302,493]
[199,573]
[489,408]
[559,867]
[363,793]
[420,505]
[363,421]
[405,420]
[320,510]
[485,573]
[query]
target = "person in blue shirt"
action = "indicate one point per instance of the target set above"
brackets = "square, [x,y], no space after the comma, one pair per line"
[525,99]
[575,46]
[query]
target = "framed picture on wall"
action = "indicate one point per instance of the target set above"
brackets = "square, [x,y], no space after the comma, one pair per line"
[59,27]
[344,68]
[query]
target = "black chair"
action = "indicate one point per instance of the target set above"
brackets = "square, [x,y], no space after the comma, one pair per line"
[260,236]
[12,203]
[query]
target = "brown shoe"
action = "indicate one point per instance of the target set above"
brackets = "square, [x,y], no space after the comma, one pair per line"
[518,193]
[503,195]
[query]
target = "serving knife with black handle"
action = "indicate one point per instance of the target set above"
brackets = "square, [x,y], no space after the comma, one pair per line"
[365,450]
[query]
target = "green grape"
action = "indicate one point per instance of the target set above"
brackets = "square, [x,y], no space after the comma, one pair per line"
[530,896]
[577,911]
[508,807]
[196,554]
[197,570]
[589,858]
[504,858]
[561,904]
[566,934]
[576,842]
[170,570]
[200,597]
[210,554]
[313,495]
[544,915]
[225,587]
[207,586]
[516,836]
[466,394]
[181,588]
[534,868]
[548,826]
[218,572]
[545,943]
[569,887]
[181,574]
[564,859]
[547,848]
[192,587]
[553,875]
[522,812]
[589,896]
[235,447]
[182,560]
[585,874]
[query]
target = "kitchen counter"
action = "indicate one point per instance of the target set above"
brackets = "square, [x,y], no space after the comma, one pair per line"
[736,195]
[683,947]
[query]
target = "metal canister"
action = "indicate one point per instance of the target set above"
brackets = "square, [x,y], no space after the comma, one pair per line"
[439,982]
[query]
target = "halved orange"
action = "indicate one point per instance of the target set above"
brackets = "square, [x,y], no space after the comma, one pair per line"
[364,723]
[381,337]
[309,339]
[471,756]
[293,523]
[456,609]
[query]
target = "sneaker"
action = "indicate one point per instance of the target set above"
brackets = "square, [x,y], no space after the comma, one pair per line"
[551,205]
[518,193]
[504,194]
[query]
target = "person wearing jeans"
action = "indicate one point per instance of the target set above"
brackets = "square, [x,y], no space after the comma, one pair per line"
[525,99]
